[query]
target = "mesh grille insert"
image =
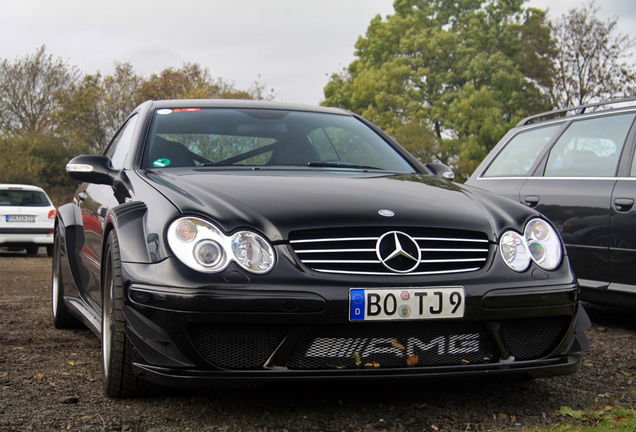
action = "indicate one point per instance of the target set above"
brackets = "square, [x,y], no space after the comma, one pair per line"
[534,338]
[236,346]
[392,344]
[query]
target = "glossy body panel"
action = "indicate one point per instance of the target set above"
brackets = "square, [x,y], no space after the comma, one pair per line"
[622,243]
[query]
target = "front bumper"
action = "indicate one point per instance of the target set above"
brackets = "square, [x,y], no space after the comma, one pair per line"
[241,332]
[26,236]
[194,378]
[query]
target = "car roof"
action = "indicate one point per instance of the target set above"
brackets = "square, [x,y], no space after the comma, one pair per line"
[245,104]
[21,186]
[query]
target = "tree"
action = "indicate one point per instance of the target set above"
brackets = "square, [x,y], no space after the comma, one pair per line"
[191,81]
[121,95]
[38,159]
[92,113]
[81,117]
[29,92]
[591,64]
[434,63]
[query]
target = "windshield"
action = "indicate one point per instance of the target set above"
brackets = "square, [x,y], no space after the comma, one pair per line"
[23,198]
[264,137]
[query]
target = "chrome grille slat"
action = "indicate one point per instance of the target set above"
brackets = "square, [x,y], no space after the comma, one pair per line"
[354,250]
[400,274]
[335,239]
[334,250]
[453,250]
[449,239]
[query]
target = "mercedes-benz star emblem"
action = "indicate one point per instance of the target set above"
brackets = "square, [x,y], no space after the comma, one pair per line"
[398,252]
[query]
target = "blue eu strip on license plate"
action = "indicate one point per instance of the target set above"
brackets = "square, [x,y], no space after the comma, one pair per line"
[406,303]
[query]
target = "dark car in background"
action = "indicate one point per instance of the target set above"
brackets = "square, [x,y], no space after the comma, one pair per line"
[252,242]
[576,166]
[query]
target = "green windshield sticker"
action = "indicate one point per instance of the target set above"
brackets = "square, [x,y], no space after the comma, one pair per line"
[161,163]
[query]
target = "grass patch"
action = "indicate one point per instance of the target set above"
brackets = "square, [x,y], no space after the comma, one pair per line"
[597,419]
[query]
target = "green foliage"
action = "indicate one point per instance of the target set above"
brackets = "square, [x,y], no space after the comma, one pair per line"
[50,113]
[460,72]
[38,159]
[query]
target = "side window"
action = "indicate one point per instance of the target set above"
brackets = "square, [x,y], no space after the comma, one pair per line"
[633,173]
[590,148]
[517,157]
[118,148]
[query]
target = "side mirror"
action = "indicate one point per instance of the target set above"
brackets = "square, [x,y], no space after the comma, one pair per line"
[92,169]
[440,170]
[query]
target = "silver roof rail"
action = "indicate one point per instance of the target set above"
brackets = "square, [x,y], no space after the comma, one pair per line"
[579,109]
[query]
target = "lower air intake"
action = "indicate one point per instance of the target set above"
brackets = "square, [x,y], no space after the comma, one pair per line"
[236,346]
[534,338]
[392,345]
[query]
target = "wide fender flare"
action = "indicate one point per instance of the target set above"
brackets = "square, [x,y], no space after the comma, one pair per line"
[128,221]
[69,226]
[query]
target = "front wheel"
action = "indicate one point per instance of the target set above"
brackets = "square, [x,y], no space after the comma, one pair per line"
[117,350]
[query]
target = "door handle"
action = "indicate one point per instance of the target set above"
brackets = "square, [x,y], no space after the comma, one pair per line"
[623,205]
[532,201]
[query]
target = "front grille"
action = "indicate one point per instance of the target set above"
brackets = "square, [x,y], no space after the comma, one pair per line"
[534,338]
[391,345]
[236,346]
[356,250]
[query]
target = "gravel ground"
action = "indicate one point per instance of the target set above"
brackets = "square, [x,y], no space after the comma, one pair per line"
[50,380]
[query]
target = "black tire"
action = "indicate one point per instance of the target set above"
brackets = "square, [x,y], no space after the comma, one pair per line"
[117,351]
[32,250]
[62,319]
[49,250]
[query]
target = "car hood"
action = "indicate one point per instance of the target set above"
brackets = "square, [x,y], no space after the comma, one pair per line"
[277,203]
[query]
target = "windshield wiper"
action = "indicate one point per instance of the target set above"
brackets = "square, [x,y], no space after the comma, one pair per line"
[340,165]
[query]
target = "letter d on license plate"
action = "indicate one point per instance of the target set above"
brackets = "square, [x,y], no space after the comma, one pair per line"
[407,303]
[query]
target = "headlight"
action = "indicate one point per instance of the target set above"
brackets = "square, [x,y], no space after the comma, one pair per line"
[203,247]
[540,243]
[252,252]
[544,244]
[513,251]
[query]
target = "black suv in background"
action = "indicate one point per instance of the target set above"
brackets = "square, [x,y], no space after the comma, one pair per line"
[576,166]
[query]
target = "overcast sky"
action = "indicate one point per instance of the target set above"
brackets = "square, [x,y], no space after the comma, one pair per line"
[293,45]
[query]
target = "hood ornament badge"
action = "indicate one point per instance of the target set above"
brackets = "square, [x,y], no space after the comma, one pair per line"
[386,213]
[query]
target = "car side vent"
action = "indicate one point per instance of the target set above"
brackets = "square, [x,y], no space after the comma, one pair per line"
[391,251]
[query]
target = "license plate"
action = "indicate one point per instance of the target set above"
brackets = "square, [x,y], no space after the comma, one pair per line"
[406,304]
[20,218]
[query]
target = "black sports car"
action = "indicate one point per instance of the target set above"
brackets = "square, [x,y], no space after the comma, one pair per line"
[251,242]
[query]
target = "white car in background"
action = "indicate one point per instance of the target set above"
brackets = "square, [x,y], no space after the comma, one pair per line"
[27,219]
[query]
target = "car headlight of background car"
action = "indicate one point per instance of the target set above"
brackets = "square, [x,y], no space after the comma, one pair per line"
[203,247]
[540,243]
